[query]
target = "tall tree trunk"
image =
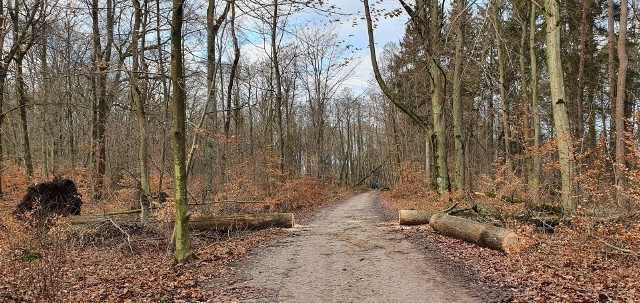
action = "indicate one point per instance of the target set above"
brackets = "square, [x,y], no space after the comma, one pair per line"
[278,79]
[461,5]
[559,103]
[23,101]
[497,21]
[611,66]
[535,108]
[165,97]
[438,98]
[139,103]
[43,116]
[102,58]
[232,74]
[181,228]
[586,7]
[69,99]
[524,89]
[3,76]
[210,151]
[623,63]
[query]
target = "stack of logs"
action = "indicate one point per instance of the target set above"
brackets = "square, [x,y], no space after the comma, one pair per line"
[481,234]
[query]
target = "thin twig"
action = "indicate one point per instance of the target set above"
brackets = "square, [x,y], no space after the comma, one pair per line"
[124,232]
[620,249]
[450,208]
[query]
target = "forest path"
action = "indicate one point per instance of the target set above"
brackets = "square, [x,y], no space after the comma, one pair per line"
[347,253]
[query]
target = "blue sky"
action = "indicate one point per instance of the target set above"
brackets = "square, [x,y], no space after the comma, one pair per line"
[388,30]
[352,29]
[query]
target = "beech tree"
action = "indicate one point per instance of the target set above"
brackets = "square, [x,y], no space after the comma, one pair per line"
[181,230]
[621,95]
[559,103]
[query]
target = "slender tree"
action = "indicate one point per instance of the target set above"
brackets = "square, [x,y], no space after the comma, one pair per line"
[535,107]
[181,229]
[461,6]
[559,103]
[102,62]
[623,63]
[138,97]
[611,68]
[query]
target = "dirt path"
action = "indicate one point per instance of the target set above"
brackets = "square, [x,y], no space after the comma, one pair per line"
[346,254]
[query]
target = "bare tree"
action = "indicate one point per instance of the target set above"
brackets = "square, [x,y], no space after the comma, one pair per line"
[559,103]
[183,251]
[620,131]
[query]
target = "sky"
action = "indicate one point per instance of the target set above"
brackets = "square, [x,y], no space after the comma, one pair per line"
[353,30]
[388,30]
[351,27]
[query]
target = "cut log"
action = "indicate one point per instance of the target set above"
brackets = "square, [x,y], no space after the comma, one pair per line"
[415,217]
[253,221]
[484,235]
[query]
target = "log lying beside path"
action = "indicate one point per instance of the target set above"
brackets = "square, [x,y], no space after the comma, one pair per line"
[484,235]
[252,221]
[415,217]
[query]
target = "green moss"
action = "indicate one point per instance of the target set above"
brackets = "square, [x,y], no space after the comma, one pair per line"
[31,256]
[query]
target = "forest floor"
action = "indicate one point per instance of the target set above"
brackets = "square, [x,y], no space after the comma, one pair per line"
[342,250]
[352,252]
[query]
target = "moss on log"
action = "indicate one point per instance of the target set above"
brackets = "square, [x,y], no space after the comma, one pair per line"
[484,235]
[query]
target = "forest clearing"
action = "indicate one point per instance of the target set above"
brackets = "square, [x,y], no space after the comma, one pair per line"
[319,151]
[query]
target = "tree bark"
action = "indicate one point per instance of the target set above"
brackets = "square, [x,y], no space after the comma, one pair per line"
[234,222]
[461,5]
[586,6]
[415,217]
[535,108]
[181,231]
[102,59]
[278,78]
[44,168]
[559,103]
[23,101]
[497,21]
[611,66]
[139,103]
[623,63]
[484,235]
[437,99]
[164,98]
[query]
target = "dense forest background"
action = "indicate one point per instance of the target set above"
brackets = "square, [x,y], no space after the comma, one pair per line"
[86,89]
[477,97]
[527,108]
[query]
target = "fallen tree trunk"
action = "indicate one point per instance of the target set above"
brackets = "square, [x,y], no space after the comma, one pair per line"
[126,216]
[415,217]
[484,235]
[253,221]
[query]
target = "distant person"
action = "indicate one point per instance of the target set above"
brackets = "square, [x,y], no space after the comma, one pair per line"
[375,185]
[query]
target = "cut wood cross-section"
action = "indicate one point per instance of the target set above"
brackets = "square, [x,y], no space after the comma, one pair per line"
[415,217]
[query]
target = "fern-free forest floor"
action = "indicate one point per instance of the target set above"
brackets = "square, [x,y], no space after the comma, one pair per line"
[352,252]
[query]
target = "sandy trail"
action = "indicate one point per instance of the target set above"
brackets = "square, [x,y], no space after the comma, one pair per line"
[347,254]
